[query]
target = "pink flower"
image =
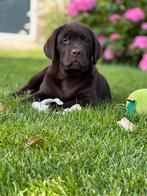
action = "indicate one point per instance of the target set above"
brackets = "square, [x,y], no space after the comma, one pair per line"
[108,54]
[140,41]
[143,62]
[114,17]
[75,6]
[101,38]
[85,5]
[115,36]
[134,14]
[144,25]
[72,9]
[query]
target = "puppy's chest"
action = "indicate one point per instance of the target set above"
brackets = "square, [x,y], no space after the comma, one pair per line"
[69,89]
[66,89]
[74,89]
[62,89]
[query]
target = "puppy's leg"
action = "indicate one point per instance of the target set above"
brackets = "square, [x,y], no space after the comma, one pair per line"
[33,84]
[35,96]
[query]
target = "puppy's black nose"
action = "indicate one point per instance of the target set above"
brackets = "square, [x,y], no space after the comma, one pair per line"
[76,52]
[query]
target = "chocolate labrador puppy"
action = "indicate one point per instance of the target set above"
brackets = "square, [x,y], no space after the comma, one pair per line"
[72,76]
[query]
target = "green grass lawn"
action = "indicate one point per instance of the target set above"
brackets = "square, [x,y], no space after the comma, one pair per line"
[84,153]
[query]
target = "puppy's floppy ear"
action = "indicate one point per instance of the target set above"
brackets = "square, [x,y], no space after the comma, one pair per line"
[97,49]
[51,43]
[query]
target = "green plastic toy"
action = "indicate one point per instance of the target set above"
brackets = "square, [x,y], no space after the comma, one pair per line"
[137,101]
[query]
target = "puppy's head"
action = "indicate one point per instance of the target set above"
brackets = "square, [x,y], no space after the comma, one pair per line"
[74,47]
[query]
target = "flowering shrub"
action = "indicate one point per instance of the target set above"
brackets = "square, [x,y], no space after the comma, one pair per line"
[120,25]
[140,41]
[109,54]
[114,17]
[76,6]
[134,14]
[143,62]
[115,36]
[144,25]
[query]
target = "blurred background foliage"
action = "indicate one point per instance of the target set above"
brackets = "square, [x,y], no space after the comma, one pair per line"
[55,15]
[120,26]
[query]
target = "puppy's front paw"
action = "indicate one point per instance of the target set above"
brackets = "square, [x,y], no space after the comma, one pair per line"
[15,94]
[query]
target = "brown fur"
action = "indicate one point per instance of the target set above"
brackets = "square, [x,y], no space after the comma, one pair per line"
[72,76]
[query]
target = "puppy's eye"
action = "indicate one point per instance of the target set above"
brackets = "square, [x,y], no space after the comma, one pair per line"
[86,40]
[65,40]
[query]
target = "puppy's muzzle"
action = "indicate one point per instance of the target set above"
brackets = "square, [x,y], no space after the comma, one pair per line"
[75,52]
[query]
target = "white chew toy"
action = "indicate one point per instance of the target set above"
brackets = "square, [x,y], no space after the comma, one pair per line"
[39,106]
[73,108]
[43,106]
[48,101]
